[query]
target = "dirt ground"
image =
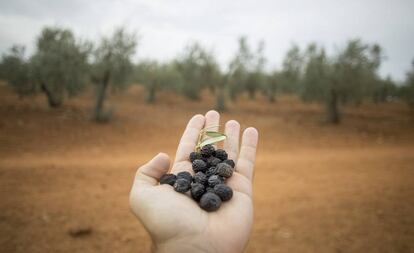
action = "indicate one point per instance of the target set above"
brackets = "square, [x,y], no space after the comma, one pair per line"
[318,188]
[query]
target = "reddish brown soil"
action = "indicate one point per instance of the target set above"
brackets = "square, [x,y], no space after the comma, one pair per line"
[318,188]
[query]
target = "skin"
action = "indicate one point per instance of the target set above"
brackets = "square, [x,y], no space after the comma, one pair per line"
[175,222]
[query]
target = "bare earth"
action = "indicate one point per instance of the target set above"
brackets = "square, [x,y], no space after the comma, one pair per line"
[318,188]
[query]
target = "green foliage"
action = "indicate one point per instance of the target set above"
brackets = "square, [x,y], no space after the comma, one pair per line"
[351,76]
[316,80]
[246,70]
[271,85]
[59,66]
[155,76]
[407,91]
[207,136]
[198,69]
[214,80]
[210,71]
[112,66]
[194,70]
[384,90]
[15,69]
[112,58]
[256,78]
[292,70]
[221,92]
[239,68]
[355,71]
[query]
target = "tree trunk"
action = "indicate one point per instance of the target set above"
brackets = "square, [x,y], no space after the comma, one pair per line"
[271,96]
[220,100]
[54,100]
[252,93]
[233,92]
[332,108]
[151,92]
[270,92]
[99,114]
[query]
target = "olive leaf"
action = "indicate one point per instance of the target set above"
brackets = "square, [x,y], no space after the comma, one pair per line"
[214,134]
[212,137]
[222,137]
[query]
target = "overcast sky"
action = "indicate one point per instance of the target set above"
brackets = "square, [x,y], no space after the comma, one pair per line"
[167,26]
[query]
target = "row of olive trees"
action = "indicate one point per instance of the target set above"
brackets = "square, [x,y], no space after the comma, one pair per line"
[189,74]
[349,76]
[63,66]
[196,69]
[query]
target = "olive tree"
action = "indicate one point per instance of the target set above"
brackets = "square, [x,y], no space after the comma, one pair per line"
[14,68]
[211,74]
[271,85]
[59,66]
[384,90]
[347,77]
[292,70]
[317,83]
[154,77]
[239,68]
[355,71]
[407,91]
[256,77]
[112,67]
[189,64]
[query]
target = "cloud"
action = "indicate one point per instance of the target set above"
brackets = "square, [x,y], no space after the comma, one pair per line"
[167,26]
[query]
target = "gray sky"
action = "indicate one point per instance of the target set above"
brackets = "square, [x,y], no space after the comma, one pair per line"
[166,26]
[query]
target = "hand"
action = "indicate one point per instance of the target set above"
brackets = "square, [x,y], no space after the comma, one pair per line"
[175,221]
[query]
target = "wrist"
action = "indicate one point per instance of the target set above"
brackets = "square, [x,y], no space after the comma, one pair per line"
[186,244]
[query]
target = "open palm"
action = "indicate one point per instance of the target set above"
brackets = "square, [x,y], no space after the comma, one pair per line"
[175,221]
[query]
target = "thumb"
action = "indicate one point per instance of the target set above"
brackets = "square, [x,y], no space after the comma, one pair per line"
[150,173]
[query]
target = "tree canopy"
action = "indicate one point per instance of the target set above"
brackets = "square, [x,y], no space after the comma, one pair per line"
[60,64]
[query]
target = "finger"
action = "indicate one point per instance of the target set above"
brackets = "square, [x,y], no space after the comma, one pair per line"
[189,139]
[212,120]
[231,144]
[150,173]
[247,156]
